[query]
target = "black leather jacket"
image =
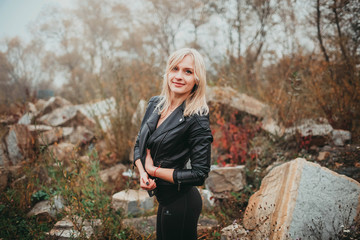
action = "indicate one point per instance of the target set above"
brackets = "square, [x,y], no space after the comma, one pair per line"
[174,142]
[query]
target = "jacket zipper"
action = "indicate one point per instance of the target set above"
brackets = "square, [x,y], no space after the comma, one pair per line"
[159,146]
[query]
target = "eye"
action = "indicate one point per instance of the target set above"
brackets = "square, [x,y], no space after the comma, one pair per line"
[188,72]
[175,68]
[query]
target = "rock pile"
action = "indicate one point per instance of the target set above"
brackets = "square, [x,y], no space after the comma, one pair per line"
[296,199]
[45,123]
[320,128]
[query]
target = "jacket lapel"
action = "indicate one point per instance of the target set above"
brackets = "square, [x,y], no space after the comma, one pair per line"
[172,121]
[152,121]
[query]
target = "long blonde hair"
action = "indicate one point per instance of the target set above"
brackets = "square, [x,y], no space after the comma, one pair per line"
[196,101]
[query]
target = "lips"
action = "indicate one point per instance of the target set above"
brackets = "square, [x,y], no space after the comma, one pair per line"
[178,84]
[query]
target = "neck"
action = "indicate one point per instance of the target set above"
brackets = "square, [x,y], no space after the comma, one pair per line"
[177,100]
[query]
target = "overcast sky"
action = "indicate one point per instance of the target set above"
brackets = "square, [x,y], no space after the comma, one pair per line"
[15,15]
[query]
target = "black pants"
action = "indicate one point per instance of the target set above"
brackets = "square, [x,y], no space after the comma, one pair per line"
[178,220]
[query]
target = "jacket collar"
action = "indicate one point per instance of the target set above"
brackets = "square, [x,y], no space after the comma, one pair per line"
[172,121]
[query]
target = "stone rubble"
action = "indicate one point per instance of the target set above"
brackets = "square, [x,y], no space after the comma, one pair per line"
[68,228]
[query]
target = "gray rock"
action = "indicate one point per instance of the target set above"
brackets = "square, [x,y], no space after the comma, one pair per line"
[322,156]
[80,135]
[112,174]
[132,201]
[40,103]
[75,227]
[270,125]
[67,131]
[26,119]
[340,137]
[239,101]
[19,143]
[49,137]
[29,117]
[66,116]
[47,210]
[15,153]
[300,199]
[63,152]
[234,231]
[206,224]
[38,128]
[208,198]
[244,103]
[52,104]
[226,179]
[310,127]
[32,108]
[102,111]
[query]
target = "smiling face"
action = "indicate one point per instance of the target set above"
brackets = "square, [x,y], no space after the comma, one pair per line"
[181,78]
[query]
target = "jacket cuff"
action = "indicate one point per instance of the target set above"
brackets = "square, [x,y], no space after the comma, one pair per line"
[175,178]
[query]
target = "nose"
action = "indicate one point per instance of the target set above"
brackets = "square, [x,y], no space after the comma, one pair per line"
[178,75]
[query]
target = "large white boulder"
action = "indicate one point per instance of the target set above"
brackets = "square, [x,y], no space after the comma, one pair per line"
[301,199]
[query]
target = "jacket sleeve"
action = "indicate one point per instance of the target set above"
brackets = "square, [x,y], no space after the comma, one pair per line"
[200,139]
[146,116]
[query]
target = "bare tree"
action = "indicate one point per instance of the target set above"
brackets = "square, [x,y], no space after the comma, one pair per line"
[23,69]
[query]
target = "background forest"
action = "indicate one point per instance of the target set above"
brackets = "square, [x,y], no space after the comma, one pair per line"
[301,57]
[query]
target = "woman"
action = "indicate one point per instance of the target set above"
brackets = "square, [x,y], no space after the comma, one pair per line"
[174,130]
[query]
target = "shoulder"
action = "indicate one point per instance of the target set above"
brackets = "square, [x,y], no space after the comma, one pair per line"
[200,121]
[155,99]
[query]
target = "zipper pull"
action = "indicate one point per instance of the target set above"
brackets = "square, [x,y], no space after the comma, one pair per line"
[179,186]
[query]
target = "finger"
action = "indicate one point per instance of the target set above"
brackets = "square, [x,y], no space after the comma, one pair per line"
[152,185]
[145,187]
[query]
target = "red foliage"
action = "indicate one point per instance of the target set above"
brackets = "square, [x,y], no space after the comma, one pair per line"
[232,139]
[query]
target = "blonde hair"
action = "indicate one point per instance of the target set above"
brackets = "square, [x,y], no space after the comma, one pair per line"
[196,101]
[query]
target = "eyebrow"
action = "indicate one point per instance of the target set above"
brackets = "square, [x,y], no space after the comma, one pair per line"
[186,68]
